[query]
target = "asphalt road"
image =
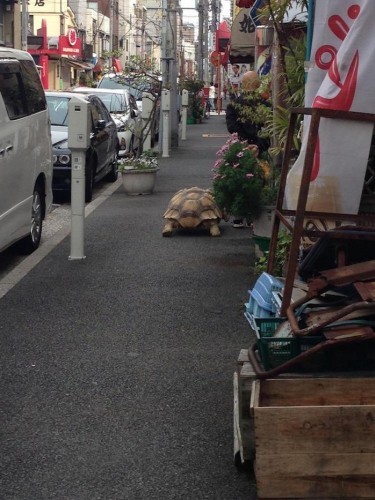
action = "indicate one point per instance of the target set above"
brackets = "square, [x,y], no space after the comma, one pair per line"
[116,379]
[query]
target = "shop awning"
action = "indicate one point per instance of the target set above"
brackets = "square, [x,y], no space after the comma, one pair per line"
[77,64]
[242,40]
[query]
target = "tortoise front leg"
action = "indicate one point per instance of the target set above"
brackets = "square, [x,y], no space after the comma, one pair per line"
[168,228]
[214,229]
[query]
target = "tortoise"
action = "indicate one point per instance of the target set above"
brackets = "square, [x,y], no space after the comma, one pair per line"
[191,208]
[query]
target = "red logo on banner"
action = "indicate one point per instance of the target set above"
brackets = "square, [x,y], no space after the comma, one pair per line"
[347,88]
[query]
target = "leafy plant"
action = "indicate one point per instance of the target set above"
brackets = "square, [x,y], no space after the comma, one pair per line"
[146,161]
[194,87]
[238,179]
[281,257]
[291,95]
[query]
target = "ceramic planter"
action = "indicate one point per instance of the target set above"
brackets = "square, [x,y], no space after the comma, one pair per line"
[137,182]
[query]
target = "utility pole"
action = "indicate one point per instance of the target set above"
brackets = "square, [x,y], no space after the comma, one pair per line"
[24,24]
[169,62]
[202,55]
[200,41]
[205,43]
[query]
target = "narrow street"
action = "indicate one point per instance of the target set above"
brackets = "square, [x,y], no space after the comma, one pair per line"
[117,370]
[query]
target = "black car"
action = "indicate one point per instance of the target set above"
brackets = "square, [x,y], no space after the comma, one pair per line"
[101,156]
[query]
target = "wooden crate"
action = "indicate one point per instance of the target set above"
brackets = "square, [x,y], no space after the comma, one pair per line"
[314,437]
[243,424]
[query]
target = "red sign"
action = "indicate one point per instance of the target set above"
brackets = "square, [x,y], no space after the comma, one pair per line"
[245,4]
[67,48]
[215,58]
[72,36]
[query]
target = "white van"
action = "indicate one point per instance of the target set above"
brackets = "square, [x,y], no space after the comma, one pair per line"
[25,152]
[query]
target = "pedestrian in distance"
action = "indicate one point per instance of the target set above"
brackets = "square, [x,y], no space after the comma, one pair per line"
[211,96]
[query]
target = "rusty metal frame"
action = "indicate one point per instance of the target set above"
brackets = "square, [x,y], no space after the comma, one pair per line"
[300,213]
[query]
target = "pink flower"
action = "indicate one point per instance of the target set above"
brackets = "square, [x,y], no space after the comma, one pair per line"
[249,176]
[222,150]
[240,154]
[236,165]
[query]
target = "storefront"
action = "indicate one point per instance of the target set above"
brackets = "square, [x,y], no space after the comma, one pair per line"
[59,58]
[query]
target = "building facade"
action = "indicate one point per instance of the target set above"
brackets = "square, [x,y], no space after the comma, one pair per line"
[78,40]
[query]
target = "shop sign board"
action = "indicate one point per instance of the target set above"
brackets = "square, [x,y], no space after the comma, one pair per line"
[340,76]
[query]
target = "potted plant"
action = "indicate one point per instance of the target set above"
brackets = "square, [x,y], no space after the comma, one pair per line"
[281,258]
[262,225]
[238,179]
[139,173]
[195,110]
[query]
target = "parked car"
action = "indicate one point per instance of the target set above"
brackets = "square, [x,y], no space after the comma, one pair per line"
[124,111]
[25,152]
[101,156]
[136,87]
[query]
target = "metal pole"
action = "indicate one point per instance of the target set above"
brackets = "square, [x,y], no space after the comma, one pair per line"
[200,40]
[164,65]
[174,123]
[24,24]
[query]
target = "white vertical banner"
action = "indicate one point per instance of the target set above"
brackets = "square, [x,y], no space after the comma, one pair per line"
[341,76]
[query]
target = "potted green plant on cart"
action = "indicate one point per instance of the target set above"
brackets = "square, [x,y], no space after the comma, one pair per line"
[238,178]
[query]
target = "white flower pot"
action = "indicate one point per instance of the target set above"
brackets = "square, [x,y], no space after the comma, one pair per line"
[139,181]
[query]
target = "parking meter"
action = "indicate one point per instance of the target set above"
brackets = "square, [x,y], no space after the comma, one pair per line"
[165,107]
[166,100]
[184,104]
[185,97]
[79,129]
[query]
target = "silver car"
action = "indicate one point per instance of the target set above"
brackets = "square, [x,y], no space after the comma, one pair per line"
[124,111]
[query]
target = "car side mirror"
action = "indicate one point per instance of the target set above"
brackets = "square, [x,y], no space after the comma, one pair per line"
[133,113]
[100,124]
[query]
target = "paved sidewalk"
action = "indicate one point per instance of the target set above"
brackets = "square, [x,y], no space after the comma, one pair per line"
[116,378]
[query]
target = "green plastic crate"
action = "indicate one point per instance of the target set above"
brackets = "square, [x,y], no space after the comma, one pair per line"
[276,351]
[263,242]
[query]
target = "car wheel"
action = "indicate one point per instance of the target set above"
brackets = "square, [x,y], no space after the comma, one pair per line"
[89,181]
[31,241]
[112,175]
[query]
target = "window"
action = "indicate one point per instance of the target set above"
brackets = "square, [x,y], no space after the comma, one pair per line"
[12,91]
[21,88]
[95,115]
[34,91]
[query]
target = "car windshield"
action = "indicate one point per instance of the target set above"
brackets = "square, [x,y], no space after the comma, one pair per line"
[119,83]
[115,103]
[58,108]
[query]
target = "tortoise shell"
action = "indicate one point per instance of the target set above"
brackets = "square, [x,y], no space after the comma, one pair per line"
[190,207]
